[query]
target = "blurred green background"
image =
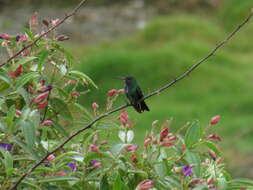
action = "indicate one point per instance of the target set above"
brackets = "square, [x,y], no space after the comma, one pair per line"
[177,35]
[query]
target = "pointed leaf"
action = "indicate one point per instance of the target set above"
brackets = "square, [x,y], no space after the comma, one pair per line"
[61,107]
[193,135]
[28,130]
[25,60]
[84,77]
[26,78]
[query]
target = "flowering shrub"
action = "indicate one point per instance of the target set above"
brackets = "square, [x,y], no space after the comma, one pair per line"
[39,108]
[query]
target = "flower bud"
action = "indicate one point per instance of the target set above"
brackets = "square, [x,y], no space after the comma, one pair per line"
[18,112]
[61,173]
[45,22]
[55,21]
[214,137]
[5,36]
[145,185]
[40,98]
[210,180]
[215,120]
[51,157]
[131,148]
[120,91]
[147,141]
[62,38]
[168,144]
[42,106]
[47,123]
[45,88]
[75,94]
[112,92]
[94,148]
[164,132]
[134,158]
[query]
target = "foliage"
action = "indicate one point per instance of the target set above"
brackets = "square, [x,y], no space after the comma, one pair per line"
[39,108]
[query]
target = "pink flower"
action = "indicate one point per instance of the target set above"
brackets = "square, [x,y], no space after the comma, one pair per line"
[95,164]
[51,157]
[215,120]
[5,36]
[47,123]
[75,93]
[94,148]
[112,92]
[145,184]
[170,138]
[95,106]
[18,112]
[214,137]
[42,106]
[21,38]
[61,173]
[123,117]
[55,21]
[164,133]
[40,98]
[17,72]
[131,148]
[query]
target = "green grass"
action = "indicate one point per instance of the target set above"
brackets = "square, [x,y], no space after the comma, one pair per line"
[164,50]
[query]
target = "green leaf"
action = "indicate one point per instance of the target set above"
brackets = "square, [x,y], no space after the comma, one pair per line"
[58,179]
[84,77]
[42,59]
[193,135]
[30,184]
[28,130]
[97,155]
[5,79]
[118,184]
[61,107]
[29,33]
[3,85]
[3,126]
[213,147]
[243,181]
[222,183]
[25,60]
[10,118]
[193,158]
[104,185]
[8,163]
[65,155]
[26,78]
[25,95]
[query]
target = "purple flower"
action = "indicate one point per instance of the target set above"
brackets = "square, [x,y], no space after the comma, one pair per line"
[6,146]
[93,161]
[187,170]
[72,166]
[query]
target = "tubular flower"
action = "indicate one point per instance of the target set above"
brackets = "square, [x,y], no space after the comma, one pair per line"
[112,92]
[47,123]
[215,120]
[164,132]
[131,148]
[40,98]
[145,185]
[72,166]
[123,117]
[42,106]
[6,146]
[94,148]
[187,170]
[51,157]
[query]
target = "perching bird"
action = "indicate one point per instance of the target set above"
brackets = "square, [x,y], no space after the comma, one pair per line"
[134,94]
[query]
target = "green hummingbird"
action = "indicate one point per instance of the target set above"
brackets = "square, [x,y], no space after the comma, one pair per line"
[134,94]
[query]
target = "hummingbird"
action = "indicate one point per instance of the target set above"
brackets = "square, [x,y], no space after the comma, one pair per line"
[134,94]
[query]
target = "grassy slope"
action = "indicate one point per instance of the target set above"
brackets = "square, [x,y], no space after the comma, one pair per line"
[161,52]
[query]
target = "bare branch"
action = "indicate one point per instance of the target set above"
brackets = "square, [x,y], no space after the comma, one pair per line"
[45,33]
[191,69]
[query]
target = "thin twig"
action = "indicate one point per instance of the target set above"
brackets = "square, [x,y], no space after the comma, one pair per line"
[185,74]
[45,33]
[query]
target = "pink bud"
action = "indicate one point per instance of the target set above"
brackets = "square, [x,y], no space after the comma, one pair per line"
[112,92]
[212,154]
[51,157]
[5,36]
[214,137]
[18,112]
[131,148]
[97,165]
[17,72]
[95,106]
[170,138]
[61,173]
[42,82]
[42,106]
[145,185]
[75,93]
[210,180]
[164,133]
[94,148]
[62,38]
[215,120]
[47,123]
[55,21]
[40,98]
[21,38]
[183,147]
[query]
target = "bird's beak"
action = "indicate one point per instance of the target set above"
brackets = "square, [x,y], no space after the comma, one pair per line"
[121,78]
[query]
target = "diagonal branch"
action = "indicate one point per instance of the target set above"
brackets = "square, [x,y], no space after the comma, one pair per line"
[45,33]
[185,74]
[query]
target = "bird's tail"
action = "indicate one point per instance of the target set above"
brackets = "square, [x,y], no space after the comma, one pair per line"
[141,106]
